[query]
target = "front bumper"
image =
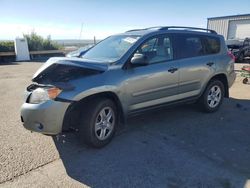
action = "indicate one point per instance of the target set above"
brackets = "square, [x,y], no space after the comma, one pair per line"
[46,118]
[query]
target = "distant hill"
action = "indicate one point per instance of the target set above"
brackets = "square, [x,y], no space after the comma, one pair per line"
[74,42]
[6,40]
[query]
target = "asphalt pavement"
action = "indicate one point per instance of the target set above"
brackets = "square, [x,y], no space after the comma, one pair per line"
[175,147]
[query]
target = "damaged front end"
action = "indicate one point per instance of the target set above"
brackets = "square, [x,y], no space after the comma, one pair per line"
[55,76]
[44,109]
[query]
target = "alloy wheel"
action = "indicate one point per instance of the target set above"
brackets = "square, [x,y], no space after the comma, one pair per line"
[214,96]
[104,123]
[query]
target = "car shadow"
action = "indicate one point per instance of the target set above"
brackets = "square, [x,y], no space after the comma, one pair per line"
[177,147]
[8,63]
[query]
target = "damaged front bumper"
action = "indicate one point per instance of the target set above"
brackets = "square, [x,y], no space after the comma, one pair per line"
[46,118]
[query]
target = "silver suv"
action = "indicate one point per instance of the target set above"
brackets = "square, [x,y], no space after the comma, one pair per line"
[126,74]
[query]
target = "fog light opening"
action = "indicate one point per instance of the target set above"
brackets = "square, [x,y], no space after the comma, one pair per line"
[39,126]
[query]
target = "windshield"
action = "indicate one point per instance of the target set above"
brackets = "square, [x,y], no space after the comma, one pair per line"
[111,49]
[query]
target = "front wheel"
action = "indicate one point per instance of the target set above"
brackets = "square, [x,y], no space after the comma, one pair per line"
[98,123]
[212,97]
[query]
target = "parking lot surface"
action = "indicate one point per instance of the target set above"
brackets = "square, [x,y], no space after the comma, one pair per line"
[175,147]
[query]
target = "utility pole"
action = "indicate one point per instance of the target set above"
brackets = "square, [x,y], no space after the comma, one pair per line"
[94,41]
[81,32]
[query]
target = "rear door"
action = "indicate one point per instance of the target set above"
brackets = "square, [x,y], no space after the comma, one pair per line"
[196,64]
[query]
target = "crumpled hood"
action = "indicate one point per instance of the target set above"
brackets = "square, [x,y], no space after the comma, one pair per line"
[81,63]
[64,69]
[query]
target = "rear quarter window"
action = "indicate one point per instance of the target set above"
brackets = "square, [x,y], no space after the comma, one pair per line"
[212,45]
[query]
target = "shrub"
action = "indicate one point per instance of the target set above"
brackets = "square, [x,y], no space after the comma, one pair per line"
[36,42]
[7,46]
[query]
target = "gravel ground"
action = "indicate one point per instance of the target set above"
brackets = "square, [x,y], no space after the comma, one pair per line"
[177,147]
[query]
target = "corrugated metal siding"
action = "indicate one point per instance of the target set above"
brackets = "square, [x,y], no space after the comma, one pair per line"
[220,25]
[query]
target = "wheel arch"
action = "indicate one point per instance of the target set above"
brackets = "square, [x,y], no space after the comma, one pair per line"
[223,78]
[73,112]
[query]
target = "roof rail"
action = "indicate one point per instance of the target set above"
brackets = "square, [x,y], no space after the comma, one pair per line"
[157,27]
[175,27]
[187,28]
[134,30]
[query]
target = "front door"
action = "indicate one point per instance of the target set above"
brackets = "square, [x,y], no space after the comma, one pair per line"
[157,82]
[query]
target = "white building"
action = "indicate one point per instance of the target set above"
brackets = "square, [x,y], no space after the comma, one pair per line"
[231,27]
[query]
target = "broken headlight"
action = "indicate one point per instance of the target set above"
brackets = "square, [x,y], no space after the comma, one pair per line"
[40,95]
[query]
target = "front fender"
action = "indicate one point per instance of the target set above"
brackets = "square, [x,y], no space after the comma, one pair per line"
[96,90]
[105,89]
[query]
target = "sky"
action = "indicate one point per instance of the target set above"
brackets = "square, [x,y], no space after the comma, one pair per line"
[65,19]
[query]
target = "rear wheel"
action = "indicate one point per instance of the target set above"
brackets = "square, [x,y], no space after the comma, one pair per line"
[212,97]
[98,123]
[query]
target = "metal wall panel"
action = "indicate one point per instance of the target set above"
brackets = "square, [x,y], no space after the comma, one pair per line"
[221,25]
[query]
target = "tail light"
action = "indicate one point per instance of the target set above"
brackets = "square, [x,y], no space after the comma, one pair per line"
[231,55]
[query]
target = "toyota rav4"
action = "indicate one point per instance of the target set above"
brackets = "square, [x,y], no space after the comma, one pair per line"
[124,75]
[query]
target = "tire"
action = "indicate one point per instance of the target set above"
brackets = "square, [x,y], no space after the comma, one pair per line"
[97,126]
[245,81]
[212,97]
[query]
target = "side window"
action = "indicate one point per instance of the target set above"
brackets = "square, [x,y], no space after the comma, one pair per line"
[212,45]
[190,46]
[168,47]
[158,49]
[149,46]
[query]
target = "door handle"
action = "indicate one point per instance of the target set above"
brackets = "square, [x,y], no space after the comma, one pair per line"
[172,70]
[210,64]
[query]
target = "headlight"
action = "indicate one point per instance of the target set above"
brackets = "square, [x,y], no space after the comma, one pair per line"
[40,95]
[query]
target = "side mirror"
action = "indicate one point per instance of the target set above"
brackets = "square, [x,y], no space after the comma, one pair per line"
[139,59]
[82,53]
[76,53]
